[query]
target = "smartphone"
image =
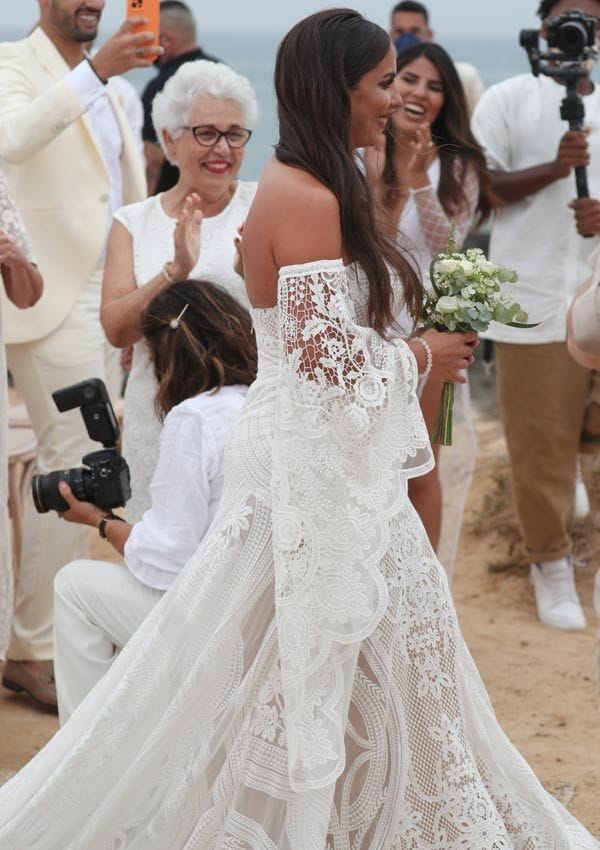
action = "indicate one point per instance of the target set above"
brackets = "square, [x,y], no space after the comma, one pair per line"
[149,9]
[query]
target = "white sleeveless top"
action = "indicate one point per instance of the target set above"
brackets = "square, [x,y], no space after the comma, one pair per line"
[152,230]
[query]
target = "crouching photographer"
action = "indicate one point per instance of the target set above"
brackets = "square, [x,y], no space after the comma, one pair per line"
[204,357]
[540,132]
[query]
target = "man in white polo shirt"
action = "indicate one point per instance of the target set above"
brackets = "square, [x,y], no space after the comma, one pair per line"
[547,401]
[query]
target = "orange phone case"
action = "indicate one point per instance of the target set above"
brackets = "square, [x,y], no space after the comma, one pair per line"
[149,9]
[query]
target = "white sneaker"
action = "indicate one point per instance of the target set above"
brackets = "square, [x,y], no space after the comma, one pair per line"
[582,500]
[556,597]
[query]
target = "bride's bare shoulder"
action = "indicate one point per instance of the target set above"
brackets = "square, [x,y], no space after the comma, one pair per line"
[298,215]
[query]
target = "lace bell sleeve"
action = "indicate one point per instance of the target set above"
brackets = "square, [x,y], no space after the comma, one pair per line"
[434,220]
[11,222]
[348,434]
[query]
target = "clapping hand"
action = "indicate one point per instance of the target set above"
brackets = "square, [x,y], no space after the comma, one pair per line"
[420,148]
[186,238]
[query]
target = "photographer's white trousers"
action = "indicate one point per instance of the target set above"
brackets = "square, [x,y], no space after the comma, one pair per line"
[76,350]
[97,608]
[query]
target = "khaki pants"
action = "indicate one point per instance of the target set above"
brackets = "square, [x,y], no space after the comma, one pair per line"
[550,407]
[76,350]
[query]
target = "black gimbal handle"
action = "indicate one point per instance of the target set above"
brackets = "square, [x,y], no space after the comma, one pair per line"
[573,111]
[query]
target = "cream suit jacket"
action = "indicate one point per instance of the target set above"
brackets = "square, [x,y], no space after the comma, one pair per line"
[58,178]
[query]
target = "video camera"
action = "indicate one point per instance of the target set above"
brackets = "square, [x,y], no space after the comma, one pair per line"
[571,40]
[104,477]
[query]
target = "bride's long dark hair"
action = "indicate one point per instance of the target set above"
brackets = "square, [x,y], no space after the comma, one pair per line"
[318,63]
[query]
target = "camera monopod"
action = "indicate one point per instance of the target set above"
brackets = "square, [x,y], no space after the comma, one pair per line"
[563,66]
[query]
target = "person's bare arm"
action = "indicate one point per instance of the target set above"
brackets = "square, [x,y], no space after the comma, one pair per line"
[123,302]
[22,279]
[513,186]
[294,219]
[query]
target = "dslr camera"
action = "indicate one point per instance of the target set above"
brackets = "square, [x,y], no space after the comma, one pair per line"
[571,40]
[104,477]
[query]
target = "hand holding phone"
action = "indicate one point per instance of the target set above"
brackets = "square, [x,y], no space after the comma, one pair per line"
[149,9]
[134,45]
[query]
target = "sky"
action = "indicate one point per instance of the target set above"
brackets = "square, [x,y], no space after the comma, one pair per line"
[449,17]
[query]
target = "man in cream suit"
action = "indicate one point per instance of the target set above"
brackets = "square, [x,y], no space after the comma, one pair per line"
[71,161]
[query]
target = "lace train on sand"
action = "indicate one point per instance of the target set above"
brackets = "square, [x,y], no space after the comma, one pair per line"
[309,691]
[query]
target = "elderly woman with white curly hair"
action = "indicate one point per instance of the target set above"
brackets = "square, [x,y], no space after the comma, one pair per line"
[203,118]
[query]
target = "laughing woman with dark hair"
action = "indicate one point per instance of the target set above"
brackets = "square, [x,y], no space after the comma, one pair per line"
[430,174]
[304,684]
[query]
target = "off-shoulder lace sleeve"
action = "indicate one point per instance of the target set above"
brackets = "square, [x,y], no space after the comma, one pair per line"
[434,220]
[348,435]
[11,222]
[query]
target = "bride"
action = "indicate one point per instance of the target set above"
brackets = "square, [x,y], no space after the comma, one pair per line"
[304,685]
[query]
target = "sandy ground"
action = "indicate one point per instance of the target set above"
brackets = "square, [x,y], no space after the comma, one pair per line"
[542,682]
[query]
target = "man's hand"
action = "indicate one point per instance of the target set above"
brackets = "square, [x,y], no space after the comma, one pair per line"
[126,50]
[83,513]
[10,254]
[587,216]
[573,151]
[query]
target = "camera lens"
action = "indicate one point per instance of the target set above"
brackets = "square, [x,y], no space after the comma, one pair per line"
[45,492]
[572,39]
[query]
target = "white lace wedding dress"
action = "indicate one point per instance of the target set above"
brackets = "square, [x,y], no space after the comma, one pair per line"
[304,684]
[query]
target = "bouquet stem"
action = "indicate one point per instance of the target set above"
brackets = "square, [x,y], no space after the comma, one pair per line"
[442,433]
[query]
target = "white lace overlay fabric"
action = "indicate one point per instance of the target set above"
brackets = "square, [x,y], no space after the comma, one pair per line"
[201,737]
[348,432]
[12,225]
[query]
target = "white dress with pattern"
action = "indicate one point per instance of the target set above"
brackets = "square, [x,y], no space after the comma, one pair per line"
[152,230]
[12,225]
[303,685]
[424,229]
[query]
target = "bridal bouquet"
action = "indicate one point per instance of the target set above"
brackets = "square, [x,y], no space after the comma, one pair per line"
[466,294]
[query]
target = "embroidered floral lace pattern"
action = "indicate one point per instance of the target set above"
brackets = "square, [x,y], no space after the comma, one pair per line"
[201,734]
[12,225]
[348,428]
[436,222]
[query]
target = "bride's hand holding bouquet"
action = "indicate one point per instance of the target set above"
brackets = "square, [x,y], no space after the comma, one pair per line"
[466,296]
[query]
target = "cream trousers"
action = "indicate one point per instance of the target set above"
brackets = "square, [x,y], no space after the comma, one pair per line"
[76,350]
[97,608]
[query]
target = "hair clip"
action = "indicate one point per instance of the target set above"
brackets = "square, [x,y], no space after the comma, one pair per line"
[174,323]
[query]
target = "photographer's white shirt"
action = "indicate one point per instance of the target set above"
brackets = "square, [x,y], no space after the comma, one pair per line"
[519,125]
[186,486]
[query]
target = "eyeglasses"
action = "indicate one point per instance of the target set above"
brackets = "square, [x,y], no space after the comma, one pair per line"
[208,137]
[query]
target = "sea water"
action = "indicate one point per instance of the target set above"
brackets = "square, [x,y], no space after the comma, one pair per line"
[253,54]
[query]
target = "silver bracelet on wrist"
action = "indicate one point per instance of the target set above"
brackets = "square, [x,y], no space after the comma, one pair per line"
[428,359]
